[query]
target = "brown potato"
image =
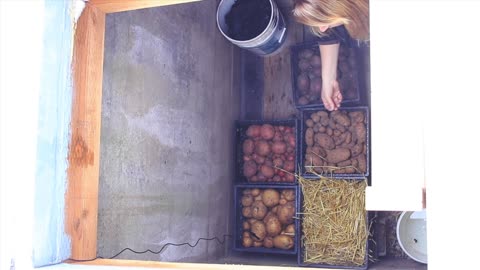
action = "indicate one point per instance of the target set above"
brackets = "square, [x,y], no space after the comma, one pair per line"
[303,82]
[340,118]
[259,210]
[247,212]
[309,136]
[360,132]
[273,226]
[303,65]
[357,117]
[246,234]
[303,100]
[357,149]
[324,141]
[286,212]
[315,61]
[338,155]
[257,243]
[309,123]
[247,200]
[246,225]
[247,242]
[288,194]
[270,197]
[362,163]
[289,230]
[316,86]
[268,242]
[283,242]
[258,231]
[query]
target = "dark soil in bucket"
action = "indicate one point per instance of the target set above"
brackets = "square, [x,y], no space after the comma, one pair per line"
[248,18]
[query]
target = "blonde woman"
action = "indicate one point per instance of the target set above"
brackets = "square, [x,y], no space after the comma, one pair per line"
[334,21]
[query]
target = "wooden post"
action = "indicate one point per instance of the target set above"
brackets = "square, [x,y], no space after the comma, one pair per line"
[84,149]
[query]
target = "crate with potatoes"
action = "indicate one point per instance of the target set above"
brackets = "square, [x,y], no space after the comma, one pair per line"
[266,151]
[335,143]
[265,219]
[306,65]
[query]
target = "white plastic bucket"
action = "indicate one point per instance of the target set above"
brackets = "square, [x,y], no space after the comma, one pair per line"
[412,235]
[267,42]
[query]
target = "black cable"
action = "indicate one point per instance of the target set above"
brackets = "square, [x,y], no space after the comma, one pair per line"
[221,242]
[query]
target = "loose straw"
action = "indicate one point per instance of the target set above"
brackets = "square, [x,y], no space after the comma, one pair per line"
[334,221]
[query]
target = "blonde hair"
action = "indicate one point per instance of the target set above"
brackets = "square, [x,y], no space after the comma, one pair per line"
[351,13]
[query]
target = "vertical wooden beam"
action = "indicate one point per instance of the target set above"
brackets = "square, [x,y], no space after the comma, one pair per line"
[84,147]
[110,6]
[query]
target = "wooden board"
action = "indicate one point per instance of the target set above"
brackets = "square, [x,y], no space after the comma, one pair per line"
[278,100]
[110,6]
[84,148]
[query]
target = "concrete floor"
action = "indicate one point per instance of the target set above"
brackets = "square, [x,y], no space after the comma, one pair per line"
[169,101]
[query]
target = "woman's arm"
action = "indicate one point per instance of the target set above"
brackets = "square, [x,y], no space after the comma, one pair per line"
[331,94]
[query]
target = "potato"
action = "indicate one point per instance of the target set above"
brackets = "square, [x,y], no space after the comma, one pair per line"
[248,147]
[319,151]
[340,118]
[259,210]
[257,243]
[270,197]
[289,178]
[315,117]
[268,242]
[313,160]
[253,131]
[324,141]
[267,131]
[258,159]
[262,148]
[289,139]
[359,132]
[247,212]
[279,147]
[278,136]
[309,123]
[362,163]
[357,149]
[267,171]
[303,65]
[283,242]
[306,54]
[247,242]
[273,226]
[289,166]
[289,230]
[357,117]
[344,163]
[278,162]
[288,194]
[247,200]
[338,155]
[246,234]
[316,86]
[309,136]
[329,131]
[246,225]
[303,100]
[286,212]
[249,169]
[303,82]
[315,61]
[258,231]
[255,192]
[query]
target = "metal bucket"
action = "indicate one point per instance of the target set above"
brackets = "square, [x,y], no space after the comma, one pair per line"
[267,42]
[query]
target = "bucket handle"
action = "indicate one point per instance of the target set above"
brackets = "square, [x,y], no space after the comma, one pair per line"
[282,35]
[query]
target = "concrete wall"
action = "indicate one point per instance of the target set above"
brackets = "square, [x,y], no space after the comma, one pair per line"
[167,133]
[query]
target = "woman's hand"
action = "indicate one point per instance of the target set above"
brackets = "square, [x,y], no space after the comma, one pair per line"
[331,95]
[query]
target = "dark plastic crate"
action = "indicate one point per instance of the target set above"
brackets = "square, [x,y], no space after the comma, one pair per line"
[240,134]
[353,95]
[300,247]
[305,114]
[238,229]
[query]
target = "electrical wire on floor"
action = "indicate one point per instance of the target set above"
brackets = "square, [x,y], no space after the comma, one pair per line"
[221,242]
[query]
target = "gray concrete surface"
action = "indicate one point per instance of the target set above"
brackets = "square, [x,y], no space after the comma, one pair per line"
[169,101]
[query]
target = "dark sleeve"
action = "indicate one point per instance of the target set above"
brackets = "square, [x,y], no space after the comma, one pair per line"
[335,35]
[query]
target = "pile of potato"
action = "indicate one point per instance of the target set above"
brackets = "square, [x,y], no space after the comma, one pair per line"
[268,218]
[269,153]
[309,80]
[336,140]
